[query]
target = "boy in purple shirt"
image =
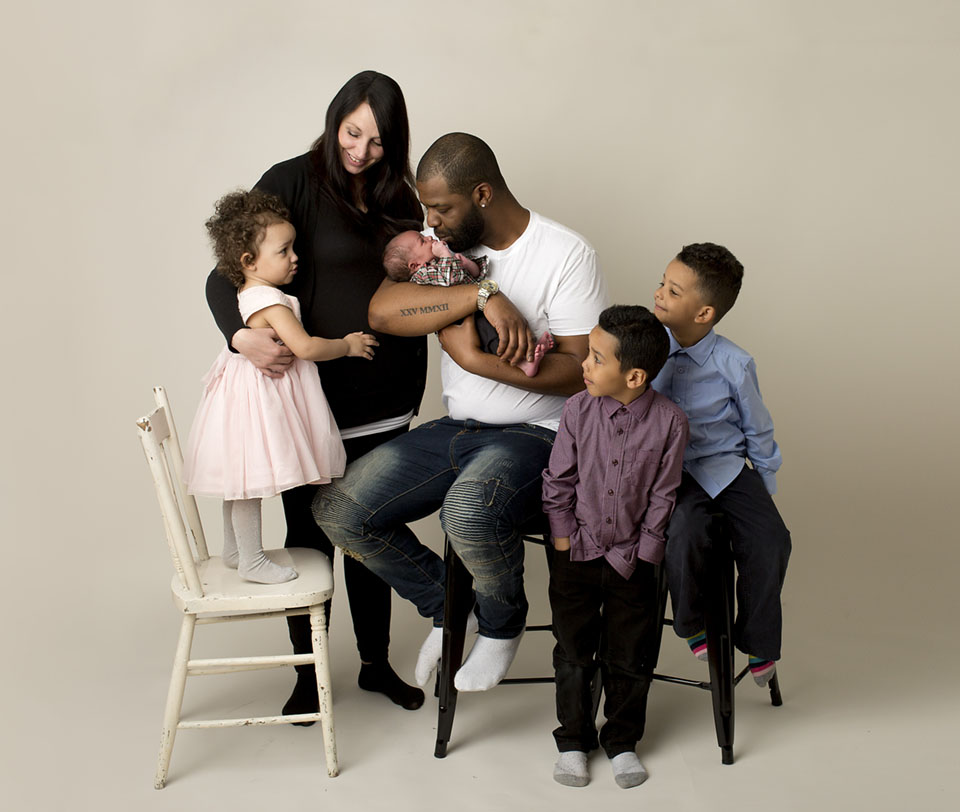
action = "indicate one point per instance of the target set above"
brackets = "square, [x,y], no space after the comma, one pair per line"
[715,382]
[608,493]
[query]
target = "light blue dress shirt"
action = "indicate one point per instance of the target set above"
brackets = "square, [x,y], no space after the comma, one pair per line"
[715,383]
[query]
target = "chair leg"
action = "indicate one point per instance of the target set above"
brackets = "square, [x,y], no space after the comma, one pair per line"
[719,627]
[318,634]
[171,714]
[456,606]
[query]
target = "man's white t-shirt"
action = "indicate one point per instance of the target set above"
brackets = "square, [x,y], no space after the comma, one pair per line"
[550,274]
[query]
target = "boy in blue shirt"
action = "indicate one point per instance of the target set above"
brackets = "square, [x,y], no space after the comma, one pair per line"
[715,382]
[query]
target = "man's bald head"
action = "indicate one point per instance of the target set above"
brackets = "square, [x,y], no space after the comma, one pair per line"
[463,161]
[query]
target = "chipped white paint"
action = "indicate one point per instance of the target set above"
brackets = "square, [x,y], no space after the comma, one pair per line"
[207,592]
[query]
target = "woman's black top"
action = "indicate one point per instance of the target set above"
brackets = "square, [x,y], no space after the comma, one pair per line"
[339,269]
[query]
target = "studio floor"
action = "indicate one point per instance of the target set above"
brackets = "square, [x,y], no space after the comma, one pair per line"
[862,725]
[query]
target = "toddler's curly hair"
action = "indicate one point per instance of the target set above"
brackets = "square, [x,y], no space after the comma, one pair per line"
[239,225]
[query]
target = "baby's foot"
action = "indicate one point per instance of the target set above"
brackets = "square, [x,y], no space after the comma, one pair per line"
[544,344]
[261,570]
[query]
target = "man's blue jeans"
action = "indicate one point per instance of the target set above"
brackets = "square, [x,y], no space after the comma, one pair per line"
[486,481]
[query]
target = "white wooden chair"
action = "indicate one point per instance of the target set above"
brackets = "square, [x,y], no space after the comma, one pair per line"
[206,591]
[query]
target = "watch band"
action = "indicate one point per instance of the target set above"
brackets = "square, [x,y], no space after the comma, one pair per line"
[486,289]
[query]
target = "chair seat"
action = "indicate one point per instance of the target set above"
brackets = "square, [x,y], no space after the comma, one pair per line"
[225,591]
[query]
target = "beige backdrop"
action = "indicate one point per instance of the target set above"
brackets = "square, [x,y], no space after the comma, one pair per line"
[817,140]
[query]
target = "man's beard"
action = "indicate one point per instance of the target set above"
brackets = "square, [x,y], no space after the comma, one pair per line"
[468,234]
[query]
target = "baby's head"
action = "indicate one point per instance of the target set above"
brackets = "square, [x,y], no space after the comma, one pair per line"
[238,228]
[698,288]
[628,348]
[405,253]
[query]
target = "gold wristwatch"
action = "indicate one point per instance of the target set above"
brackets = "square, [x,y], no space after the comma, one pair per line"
[486,289]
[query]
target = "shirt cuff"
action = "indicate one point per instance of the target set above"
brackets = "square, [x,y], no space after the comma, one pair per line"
[769,481]
[562,525]
[650,548]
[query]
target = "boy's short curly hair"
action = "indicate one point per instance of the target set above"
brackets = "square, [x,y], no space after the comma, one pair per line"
[642,342]
[239,225]
[719,274]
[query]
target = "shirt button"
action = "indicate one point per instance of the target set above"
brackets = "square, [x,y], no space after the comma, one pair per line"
[681,370]
[609,520]
[615,462]
[676,400]
[610,492]
[619,431]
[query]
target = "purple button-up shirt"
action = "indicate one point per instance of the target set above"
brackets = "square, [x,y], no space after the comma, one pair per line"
[613,473]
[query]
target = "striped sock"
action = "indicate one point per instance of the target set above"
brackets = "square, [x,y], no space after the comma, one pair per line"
[698,645]
[762,670]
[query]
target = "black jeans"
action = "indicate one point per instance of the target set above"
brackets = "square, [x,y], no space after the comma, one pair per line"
[601,618]
[761,548]
[368,594]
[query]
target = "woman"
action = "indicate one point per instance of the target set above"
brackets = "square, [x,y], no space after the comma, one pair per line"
[347,196]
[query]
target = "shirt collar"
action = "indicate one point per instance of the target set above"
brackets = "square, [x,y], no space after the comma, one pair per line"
[699,352]
[637,408]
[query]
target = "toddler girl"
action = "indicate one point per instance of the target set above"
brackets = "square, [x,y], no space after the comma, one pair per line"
[256,436]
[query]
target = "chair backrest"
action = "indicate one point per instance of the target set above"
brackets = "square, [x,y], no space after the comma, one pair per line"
[181,519]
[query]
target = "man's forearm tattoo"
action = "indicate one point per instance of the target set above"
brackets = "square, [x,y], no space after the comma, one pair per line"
[416,311]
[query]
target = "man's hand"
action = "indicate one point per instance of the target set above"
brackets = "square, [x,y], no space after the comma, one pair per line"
[460,341]
[516,340]
[259,346]
[561,544]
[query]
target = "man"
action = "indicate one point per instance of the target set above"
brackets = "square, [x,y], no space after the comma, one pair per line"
[480,466]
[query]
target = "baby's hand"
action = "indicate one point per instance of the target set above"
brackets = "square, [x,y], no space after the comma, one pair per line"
[360,345]
[440,249]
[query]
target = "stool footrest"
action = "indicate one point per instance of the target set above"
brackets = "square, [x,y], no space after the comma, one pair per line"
[681,681]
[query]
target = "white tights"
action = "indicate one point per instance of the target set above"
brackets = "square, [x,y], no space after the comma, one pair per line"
[243,547]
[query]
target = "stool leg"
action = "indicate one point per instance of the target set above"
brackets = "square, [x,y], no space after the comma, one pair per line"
[457,603]
[719,627]
[662,593]
[775,699]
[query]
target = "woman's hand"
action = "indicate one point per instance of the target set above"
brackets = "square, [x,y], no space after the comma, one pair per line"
[260,347]
[516,340]
[561,544]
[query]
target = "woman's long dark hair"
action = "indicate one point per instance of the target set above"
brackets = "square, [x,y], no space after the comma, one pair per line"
[388,185]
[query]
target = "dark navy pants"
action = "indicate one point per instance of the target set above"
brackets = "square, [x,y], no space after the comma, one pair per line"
[761,548]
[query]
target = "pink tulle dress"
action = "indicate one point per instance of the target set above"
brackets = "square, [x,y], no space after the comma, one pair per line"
[255,436]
